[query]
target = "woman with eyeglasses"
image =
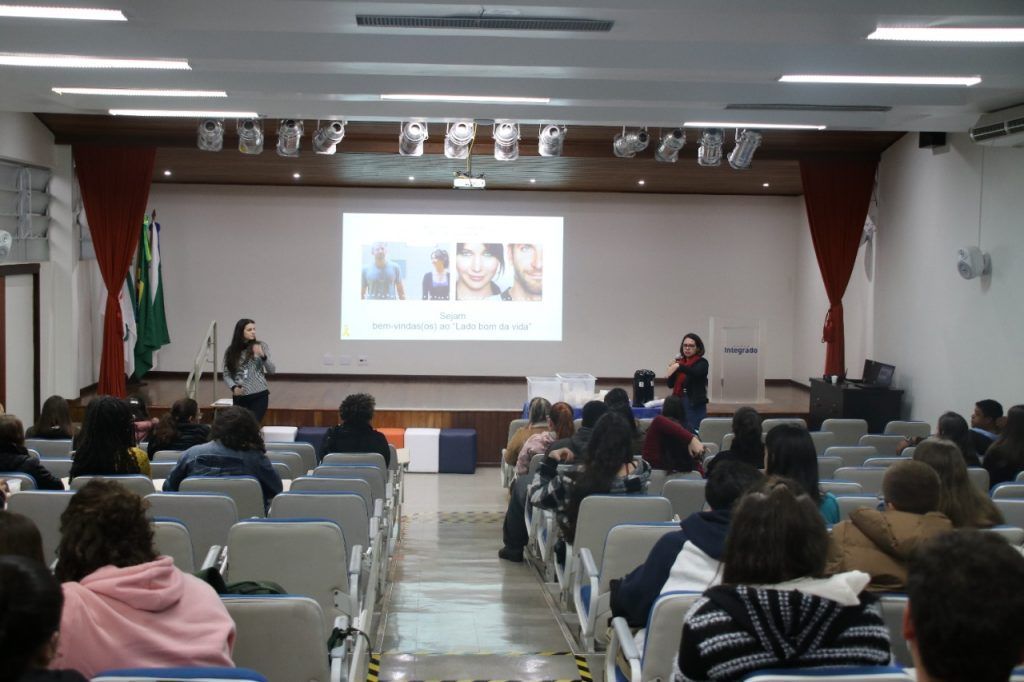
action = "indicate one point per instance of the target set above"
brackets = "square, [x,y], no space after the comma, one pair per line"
[687,376]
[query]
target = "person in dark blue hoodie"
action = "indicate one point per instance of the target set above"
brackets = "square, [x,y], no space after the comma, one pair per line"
[686,559]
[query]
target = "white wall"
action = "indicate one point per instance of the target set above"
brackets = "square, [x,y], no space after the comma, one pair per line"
[639,272]
[953,341]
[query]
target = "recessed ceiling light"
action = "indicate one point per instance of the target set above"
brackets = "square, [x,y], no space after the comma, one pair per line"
[765,184]
[533,181]
[755,126]
[79,13]
[472,99]
[167,172]
[71,61]
[882,80]
[641,182]
[296,175]
[949,35]
[136,92]
[412,178]
[174,113]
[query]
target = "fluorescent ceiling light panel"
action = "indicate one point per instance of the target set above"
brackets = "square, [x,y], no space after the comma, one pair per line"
[473,99]
[949,35]
[70,61]
[882,80]
[78,13]
[754,126]
[171,113]
[131,92]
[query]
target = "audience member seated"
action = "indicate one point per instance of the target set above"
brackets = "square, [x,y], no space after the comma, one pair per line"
[667,445]
[125,606]
[609,468]
[747,446]
[688,559]
[106,443]
[355,433]
[789,452]
[959,499]
[54,421]
[1005,458]
[144,424]
[513,529]
[236,449]
[985,424]
[954,428]
[560,426]
[179,429]
[963,621]
[618,400]
[881,542]
[537,413]
[14,456]
[19,536]
[30,616]
[775,608]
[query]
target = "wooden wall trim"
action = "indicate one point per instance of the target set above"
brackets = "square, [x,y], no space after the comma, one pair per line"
[11,271]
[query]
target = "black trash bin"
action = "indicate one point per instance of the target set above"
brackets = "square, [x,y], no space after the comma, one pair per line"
[643,387]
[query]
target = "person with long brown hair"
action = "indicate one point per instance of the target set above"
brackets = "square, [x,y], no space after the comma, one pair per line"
[560,425]
[54,421]
[14,455]
[178,429]
[959,500]
[1005,458]
[246,366]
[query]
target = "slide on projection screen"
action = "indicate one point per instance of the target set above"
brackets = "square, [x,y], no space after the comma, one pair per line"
[407,277]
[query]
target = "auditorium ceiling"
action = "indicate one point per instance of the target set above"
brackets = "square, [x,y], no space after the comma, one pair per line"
[600,65]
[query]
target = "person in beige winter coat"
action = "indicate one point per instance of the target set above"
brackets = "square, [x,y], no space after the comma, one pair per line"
[880,542]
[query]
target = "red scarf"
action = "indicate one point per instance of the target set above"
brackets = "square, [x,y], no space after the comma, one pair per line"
[681,376]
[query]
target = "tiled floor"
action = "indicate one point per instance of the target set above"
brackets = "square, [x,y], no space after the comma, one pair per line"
[455,610]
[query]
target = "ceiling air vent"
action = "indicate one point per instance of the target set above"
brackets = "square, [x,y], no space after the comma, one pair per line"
[858,108]
[490,23]
[1003,128]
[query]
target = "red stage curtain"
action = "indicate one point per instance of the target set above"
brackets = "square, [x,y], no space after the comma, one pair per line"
[115,188]
[837,194]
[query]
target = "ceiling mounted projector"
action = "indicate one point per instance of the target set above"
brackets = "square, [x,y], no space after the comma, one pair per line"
[464,180]
[971,262]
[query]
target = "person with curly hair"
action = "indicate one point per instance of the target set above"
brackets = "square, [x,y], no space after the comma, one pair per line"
[236,449]
[124,605]
[106,444]
[355,433]
[179,429]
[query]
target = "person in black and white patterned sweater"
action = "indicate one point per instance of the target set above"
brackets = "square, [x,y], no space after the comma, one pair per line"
[774,608]
[246,366]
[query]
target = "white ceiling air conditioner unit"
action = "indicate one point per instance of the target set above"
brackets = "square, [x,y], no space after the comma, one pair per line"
[1003,128]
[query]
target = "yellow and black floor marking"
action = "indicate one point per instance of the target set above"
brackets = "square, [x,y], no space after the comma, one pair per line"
[374,668]
[584,669]
[457,517]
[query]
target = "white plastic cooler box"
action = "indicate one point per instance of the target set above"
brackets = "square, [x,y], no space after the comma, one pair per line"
[577,388]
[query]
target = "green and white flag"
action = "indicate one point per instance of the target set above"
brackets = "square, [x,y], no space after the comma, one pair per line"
[152,321]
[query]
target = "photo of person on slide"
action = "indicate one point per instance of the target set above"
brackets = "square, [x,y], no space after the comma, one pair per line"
[478,265]
[528,267]
[382,279]
[437,283]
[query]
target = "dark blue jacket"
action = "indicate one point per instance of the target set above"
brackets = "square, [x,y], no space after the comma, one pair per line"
[213,459]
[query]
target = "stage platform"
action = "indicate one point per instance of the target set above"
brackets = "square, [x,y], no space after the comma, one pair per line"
[486,404]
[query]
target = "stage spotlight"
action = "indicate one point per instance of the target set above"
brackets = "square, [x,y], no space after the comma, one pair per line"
[550,139]
[327,137]
[710,151]
[289,132]
[747,142]
[506,140]
[411,138]
[459,139]
[211,135]
[627,144]
[250,136]
[671,143]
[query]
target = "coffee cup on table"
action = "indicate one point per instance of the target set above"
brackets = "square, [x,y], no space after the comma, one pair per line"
[834,378]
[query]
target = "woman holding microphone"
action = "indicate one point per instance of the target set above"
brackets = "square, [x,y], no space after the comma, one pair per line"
[687,376]
[246,366]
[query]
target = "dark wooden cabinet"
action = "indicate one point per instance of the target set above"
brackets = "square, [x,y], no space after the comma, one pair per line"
[876,405]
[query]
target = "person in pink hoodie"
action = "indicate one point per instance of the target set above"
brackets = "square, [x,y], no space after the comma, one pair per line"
[125,606]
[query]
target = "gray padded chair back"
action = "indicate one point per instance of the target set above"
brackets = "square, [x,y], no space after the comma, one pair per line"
[840,487]
[599,513]
[171,538]
[886,446]
[893,606]
[333,484]
[268,625]
[827,466]
[627,546]
[884,462]
[656,482]
[28,482]
[727,440]
[208,517]
[514,426]
[769,424]
[167,455]
[823,440]
[1013,511]
[305,450]
[44,507]
[846,431]
[282,470]
[979,477]
[393,460]
[160,470]
[853,455]
[534,464]
[1012,534]
[847,503]
[50,449]
[60,468]
[305,557]
[643,424]
[713,429]
[1020,477]
[244,490]
[373,459]
[908,451]
[1003,491]
[870,478]
[292,461]
[136,483]
[686,495]
[908,429]
[664,632]
[348,510]
[376,477]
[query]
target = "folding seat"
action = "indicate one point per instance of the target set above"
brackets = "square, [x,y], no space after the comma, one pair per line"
[713,429]
[686,495]
[26,481]
[847,503]
[44,507]
[167,455]
[840,487]
[893,606]
[886,445]
[293,461]
[161,470]
[136,483]
[208,517]
[884,462]
[304,450]
[180,675]
[1009,491]
[979,477]
[827,466]
[60,468]
[358,486]
[244,490]
[908,429]
[625,548]
[845,431]
[870,478]
[823,440]
[661,643]
[50,449]
[769,424]
[171,538]
[1012,534]
[358,458]
[375,476]
[1013,511]
[852,455]
[867,673]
